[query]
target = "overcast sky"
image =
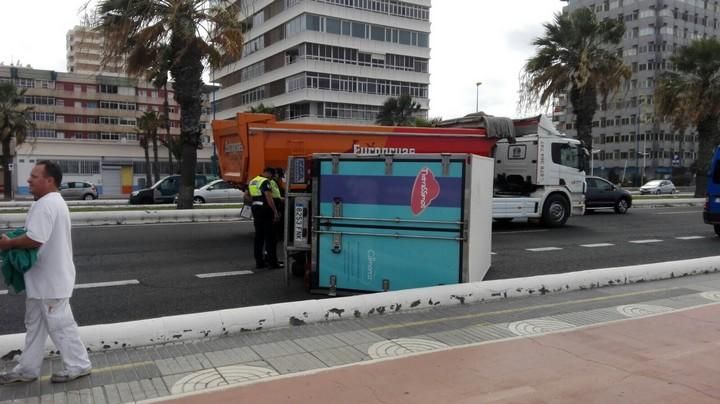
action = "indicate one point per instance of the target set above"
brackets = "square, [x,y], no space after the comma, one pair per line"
[471,40]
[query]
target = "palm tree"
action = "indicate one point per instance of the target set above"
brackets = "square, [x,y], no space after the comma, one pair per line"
[577,53]
[262,109]
[14,123]
[177,37]
[397,111]
[144,144]
[149,123]
[689,96]
[174,147]
[427,123]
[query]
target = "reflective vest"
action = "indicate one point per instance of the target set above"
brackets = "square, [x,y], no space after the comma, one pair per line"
[275,189]
[254,186]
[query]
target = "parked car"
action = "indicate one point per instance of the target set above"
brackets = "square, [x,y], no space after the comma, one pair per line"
[78,190]
[218,191]
[658,187]
[601,193]
[164,191]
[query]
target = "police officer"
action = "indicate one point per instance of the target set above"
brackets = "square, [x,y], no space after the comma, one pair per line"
[277,195]
[265,215]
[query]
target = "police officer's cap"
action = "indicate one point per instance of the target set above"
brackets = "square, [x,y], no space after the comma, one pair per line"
[269,170]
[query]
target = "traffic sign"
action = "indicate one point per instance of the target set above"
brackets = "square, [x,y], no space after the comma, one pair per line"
[675,162]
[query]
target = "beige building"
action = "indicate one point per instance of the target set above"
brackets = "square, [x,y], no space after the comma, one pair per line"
[84,54]
[88,123]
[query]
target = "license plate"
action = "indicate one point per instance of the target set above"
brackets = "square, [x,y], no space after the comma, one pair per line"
[299,224]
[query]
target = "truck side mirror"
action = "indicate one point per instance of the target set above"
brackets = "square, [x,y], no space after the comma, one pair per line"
[582,158]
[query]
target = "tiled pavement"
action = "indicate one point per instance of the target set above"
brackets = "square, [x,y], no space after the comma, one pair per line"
[158,371]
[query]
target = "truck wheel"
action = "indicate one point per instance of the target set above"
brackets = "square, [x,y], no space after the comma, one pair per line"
[621,206]
[555,211]
[717,229]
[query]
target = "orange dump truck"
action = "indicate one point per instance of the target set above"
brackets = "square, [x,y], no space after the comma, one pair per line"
[538,172]
[251,142]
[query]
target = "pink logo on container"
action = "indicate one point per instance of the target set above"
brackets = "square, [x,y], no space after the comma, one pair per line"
[425,190]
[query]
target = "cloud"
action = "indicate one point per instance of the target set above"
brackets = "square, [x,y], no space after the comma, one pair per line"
[482,41]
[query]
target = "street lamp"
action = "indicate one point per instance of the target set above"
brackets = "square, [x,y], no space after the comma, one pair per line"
[214,157]
[477,96]
[592,160]
[642,173]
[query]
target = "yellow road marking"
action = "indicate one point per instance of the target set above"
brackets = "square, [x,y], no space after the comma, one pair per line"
[518,310]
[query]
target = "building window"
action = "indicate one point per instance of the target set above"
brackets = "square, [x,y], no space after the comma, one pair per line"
[108,89]
[79,166]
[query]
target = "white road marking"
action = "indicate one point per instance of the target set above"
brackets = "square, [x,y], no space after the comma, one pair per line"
[96,285]
[597,245]
[541,249]
[219,274]
[645,241]
[690,237]
[695,212]
[106,284]
[518,231]
[493,253]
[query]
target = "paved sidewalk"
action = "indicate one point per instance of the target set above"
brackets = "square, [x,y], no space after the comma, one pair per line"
[649,342]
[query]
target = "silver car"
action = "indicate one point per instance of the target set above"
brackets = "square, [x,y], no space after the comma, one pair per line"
[658,187]
[218,191]
[78,190]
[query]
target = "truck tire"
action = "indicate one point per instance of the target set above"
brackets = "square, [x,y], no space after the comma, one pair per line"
[556,211]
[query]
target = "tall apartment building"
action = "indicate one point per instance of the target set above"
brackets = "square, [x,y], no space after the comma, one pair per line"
[84,49]
[328,60]
[88,123]
[627,136]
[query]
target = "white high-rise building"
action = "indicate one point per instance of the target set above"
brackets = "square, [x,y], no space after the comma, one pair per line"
[328,60]
[628,139]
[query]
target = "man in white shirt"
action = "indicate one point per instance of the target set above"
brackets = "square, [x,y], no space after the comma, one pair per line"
[49,283]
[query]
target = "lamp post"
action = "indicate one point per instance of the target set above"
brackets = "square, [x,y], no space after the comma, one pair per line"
[593,152]
[642,173]
[477,96]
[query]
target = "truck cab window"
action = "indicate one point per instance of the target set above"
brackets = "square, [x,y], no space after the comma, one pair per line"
[566,155]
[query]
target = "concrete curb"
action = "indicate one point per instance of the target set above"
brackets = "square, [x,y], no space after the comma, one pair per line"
[212,324]
[14,220]
[651,203]
[95,202]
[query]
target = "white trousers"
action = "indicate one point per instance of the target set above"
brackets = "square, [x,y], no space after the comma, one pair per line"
[53,317]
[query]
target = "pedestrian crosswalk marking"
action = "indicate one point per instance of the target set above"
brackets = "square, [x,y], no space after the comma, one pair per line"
[221,274]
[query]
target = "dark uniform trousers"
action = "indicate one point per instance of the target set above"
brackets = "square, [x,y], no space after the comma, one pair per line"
[264,235]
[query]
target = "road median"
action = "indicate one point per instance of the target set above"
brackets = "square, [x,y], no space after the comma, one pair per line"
[171,329]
